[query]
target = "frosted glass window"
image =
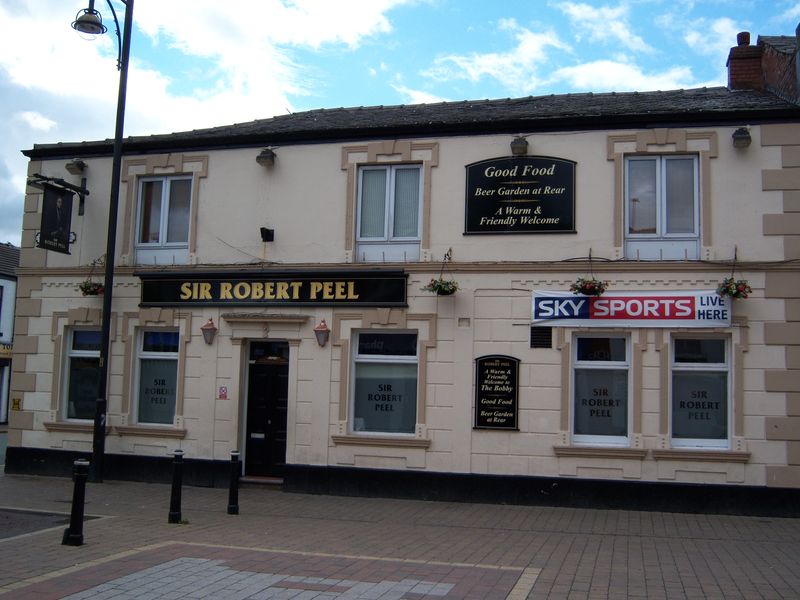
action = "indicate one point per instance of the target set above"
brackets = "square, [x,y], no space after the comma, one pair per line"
[373,203]
[406,203]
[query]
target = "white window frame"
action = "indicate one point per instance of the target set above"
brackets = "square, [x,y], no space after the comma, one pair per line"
[388,247]
[162,252]
[69,355]
[381,359]
[595,439]
[661,244]
[724,367]
[150,355]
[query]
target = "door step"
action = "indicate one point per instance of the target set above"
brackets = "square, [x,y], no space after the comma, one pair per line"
[256,481]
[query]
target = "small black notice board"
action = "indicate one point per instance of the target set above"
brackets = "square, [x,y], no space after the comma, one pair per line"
[496,392]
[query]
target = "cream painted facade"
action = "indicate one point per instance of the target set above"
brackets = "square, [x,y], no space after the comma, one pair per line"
[673,192]
[749,206]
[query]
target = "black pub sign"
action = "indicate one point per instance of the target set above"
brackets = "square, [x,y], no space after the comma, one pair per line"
[285,288]
[520,194]
[496,392]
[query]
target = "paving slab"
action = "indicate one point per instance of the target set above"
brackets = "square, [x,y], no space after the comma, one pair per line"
[303,546]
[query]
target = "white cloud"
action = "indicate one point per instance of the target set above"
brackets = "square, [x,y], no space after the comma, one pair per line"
[606,75]
[792,14]
[57,86]
[36,120]
[417,96]
[516,69]
[604,24]
[713,38]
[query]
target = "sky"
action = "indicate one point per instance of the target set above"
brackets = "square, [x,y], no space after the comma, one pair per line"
[204,63]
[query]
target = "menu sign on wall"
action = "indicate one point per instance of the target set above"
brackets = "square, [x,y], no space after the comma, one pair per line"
[496,392]
[520,194]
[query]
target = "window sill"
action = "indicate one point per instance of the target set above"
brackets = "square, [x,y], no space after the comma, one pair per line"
[145,431]
[702,455]
[71,426]
[387,442]
[600,452]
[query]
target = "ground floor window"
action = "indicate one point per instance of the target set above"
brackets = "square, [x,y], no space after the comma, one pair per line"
[82,373]
[385,382]
[600,390]
[157,363]
[700,392]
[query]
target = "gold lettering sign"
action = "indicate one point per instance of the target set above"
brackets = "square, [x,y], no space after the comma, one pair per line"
[365,288]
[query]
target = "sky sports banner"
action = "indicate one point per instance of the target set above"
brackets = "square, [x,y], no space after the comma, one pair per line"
[632,309]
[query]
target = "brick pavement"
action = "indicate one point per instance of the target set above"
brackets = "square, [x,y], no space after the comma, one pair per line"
[304,546]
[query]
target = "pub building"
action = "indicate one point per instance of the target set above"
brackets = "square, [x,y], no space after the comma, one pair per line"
[500,300]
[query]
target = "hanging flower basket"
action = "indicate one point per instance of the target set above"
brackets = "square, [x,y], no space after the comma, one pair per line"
[735,288]
[91,288]
[442,287]
[588,286]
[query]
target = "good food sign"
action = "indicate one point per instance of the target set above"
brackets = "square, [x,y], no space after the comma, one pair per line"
[525,194]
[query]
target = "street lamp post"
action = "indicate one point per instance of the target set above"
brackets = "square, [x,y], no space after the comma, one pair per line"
[89,21]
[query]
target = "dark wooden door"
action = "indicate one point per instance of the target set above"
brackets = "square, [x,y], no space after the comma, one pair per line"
[267,397]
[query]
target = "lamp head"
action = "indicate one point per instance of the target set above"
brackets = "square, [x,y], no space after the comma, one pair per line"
[741,138]
[266,158]
[322,333]
[89,21]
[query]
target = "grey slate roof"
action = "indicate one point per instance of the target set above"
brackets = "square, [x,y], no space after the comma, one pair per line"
[9,260]
[785,44]
[513,115]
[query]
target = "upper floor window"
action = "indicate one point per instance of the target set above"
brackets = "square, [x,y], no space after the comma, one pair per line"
[82,373]
[389,213]
[662,211]
[164,208]
[700,392]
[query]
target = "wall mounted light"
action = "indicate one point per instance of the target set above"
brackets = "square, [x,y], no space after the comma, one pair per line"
[78,167]
[266,158]
[75,167]
[322,332]
[519,146]
[267,235]
[741,138]
[209,332]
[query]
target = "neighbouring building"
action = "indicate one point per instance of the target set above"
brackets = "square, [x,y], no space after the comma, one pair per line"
[268,298]
[9,260]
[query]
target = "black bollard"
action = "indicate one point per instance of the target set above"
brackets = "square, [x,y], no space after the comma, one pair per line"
[177,481]
[233,489]
[73,535]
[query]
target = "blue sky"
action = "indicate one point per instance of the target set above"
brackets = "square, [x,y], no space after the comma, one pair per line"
[202,63]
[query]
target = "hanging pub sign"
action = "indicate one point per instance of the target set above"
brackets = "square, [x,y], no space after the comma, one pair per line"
[285,288]
[520,194]
[56,219]
[496,392]
[632,309]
